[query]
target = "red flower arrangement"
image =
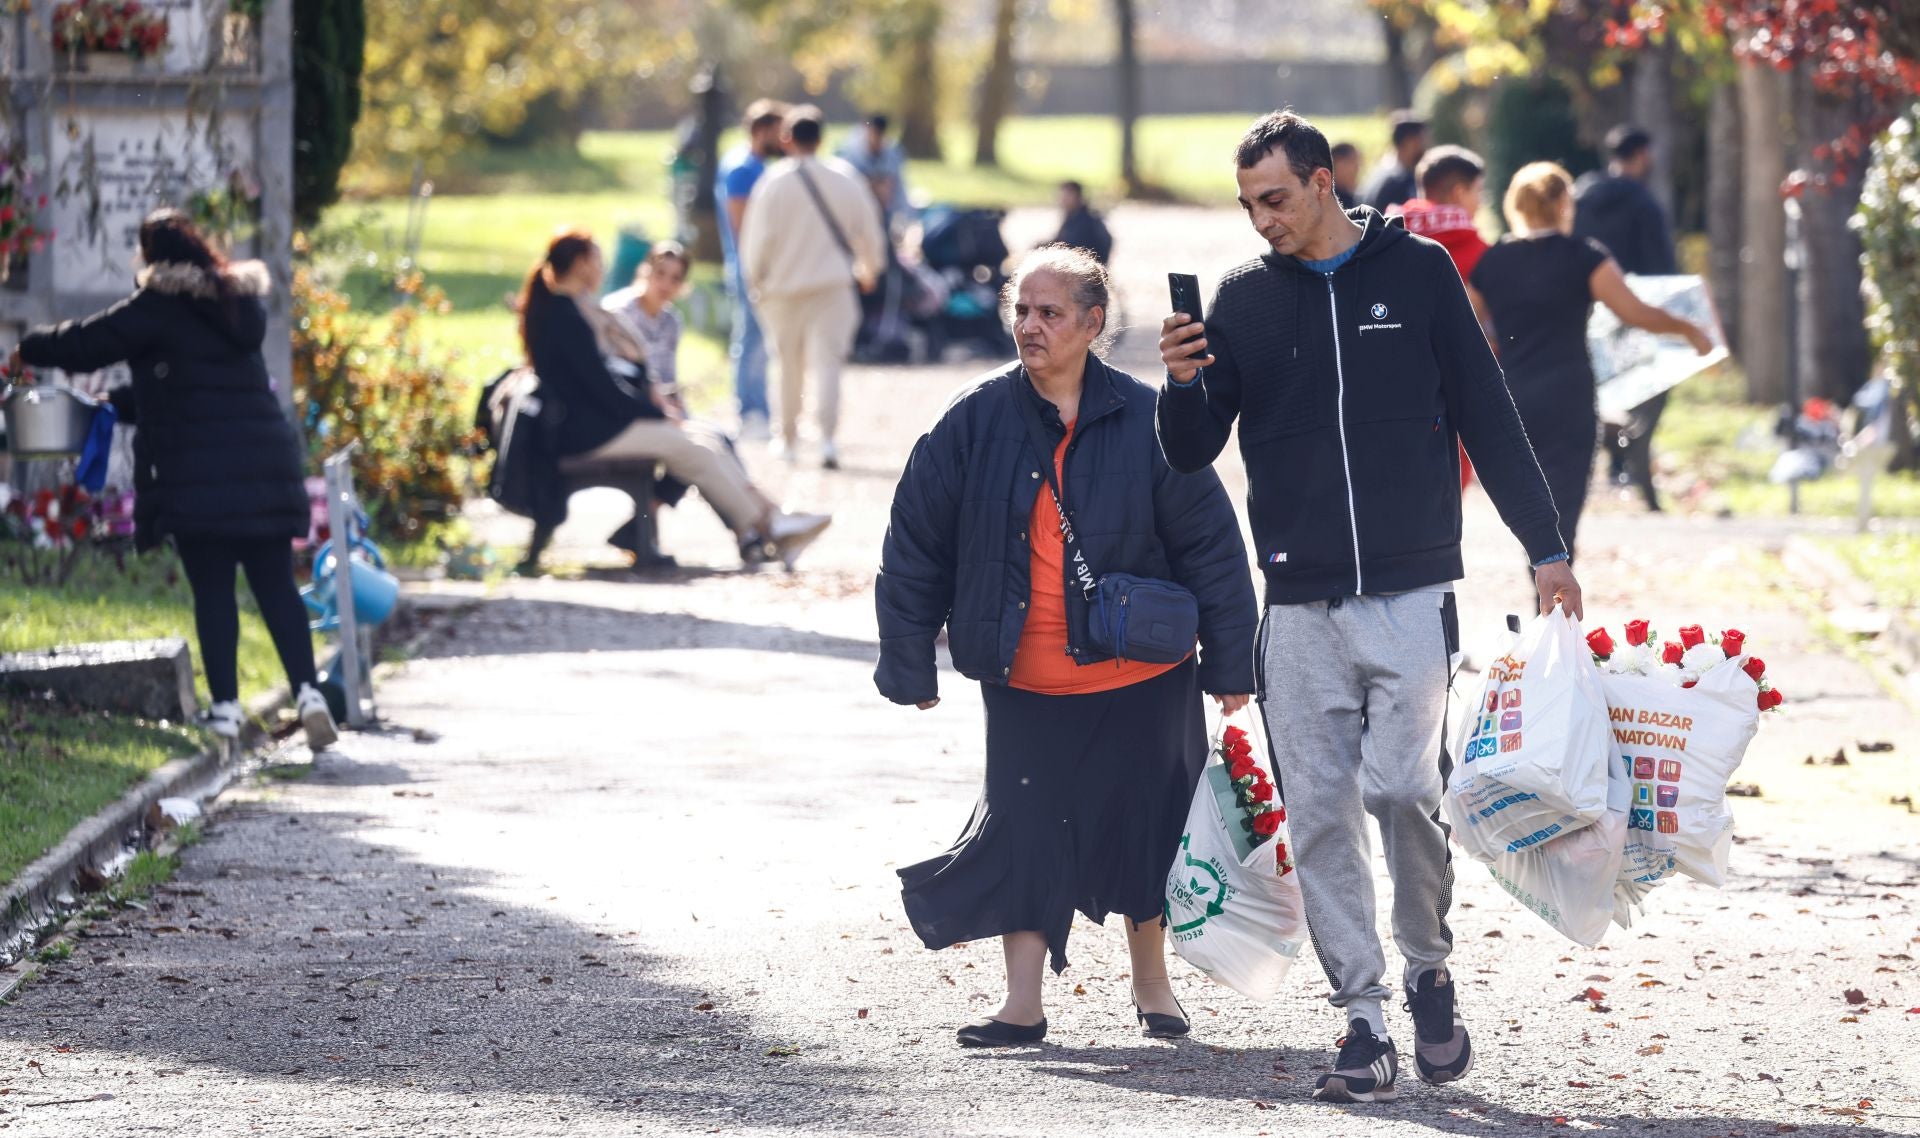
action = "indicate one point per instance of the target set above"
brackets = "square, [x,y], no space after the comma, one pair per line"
[1681,661]
[1254,792]
[114,26]
[19,224]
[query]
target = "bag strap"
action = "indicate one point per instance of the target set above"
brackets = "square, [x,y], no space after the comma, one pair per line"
[1080,570]
[826,215]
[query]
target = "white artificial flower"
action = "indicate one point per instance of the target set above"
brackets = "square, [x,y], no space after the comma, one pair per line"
[1701,657]
[1632,660]
[1673,674]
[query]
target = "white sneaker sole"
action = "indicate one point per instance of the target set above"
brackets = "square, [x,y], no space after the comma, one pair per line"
[1336,1090]
[321,733]
[793,546]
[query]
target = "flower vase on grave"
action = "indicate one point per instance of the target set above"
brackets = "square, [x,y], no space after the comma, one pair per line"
[112,64]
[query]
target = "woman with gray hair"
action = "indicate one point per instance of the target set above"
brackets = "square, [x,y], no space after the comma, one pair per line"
[1034,510]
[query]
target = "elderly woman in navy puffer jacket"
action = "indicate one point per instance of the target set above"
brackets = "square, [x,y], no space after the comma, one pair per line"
[1091,761]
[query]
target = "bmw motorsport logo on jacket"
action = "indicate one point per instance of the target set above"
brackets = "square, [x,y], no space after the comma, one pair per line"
[1351,388]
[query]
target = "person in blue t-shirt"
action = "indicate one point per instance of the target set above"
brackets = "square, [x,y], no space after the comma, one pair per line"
[739,170]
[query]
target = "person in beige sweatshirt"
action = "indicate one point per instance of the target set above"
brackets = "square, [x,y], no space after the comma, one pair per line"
[811,233]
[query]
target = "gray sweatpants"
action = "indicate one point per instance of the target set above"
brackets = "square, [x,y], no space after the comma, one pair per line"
[1354,692]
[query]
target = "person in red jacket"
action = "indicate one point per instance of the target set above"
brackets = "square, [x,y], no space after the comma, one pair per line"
[1451,180]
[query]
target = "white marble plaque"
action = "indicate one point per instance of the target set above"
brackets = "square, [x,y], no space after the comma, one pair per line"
[110,168]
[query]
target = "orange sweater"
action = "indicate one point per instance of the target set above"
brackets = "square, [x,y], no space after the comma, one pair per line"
[1041,663]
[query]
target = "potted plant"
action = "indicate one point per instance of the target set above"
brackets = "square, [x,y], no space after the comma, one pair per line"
[20,231]
[107,36]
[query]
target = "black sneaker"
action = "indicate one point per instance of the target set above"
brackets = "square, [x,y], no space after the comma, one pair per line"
[1442,1051]
[1364,1071]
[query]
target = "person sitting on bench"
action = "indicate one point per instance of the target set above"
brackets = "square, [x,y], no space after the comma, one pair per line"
[614,414]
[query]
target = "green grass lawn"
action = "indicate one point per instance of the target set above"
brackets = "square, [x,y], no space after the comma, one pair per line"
[1888,562]
[144,600]
[58,766]
[1720,449]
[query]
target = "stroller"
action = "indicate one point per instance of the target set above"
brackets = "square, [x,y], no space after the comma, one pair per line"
[961,273]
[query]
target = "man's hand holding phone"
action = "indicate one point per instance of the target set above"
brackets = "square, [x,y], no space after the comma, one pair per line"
[1183,344]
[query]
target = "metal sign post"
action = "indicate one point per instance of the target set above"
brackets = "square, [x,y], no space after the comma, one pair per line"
[341,511]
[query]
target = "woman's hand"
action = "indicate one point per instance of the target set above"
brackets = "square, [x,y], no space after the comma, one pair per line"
[1697,336]
[928,704]
[1231,703]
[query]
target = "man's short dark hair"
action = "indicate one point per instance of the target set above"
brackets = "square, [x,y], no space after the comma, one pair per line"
[878,121]
[1301,141]
[1078,190]
[1446,167]
[1626,142]
[806,124]
[1344,150]
[1407,126]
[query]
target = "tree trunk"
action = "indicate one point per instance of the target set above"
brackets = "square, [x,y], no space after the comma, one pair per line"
[1724,207]
[1651,103]
[1834,356]
[920,93]
[1400,76]
[996,89]
[1127,66]
[1763,229]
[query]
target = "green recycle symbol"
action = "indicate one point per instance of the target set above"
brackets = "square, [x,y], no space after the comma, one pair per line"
[1217,904]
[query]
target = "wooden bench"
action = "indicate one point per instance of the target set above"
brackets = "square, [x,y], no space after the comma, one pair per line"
[639,536]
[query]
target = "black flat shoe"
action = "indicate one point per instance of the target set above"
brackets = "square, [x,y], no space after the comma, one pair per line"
[1155,1025]
[997,1033]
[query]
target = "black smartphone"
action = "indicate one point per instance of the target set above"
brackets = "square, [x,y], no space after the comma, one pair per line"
[1185,290]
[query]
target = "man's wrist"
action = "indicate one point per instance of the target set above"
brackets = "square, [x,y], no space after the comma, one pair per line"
[1198,372]
[1551,558]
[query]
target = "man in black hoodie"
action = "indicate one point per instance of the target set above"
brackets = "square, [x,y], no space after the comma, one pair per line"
[1617,210]
[1351,358]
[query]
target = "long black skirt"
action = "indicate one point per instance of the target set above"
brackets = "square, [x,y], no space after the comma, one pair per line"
[1085,800]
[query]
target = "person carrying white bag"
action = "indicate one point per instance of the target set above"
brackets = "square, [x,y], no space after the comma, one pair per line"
[1234,908]
[1533,747]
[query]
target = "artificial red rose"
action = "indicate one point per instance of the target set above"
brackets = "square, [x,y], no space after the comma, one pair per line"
[1600,642]
[1266,825]
[1691,635]
[1689,683]
[1770,699]
[1262,792]
[79,528]
[1283,813]
[1241,768]
[1231,734]
[1637,631]
[1755,667]
[1731,641]
[1670,653]
[1239,748]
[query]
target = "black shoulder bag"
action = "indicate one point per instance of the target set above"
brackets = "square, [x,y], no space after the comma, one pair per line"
[1129,617]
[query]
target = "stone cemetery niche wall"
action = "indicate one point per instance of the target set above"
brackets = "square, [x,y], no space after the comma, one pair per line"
[115,122]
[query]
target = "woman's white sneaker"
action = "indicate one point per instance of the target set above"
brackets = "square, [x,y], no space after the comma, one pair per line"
[792,533]
[224,718]
[316,718]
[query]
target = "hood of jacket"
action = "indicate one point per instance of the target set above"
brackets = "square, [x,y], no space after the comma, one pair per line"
[240,318]
[1377,233]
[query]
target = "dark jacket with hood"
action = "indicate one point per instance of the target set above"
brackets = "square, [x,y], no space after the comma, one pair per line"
[214,454]
[956,552]
[1351,389]
[584,405]
[1622,214]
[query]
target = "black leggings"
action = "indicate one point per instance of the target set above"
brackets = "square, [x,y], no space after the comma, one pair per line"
[209,562]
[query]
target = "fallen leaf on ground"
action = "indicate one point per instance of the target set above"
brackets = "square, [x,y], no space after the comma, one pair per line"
[1591,994]
[1855,996]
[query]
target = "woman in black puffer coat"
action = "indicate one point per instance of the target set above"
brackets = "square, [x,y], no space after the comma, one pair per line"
[217,465]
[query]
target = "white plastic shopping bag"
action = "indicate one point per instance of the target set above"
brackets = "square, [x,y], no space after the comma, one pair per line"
[1234,908]
[1569,882]
[1532,751]
[1679,748]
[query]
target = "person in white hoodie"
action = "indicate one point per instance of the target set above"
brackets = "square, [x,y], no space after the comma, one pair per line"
[811,234]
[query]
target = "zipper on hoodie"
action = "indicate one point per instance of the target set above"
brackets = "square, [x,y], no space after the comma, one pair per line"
[1346,463]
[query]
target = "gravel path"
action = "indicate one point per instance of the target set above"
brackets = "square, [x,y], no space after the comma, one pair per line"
[624,865]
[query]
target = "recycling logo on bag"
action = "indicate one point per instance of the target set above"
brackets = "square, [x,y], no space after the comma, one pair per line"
[1196,895]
